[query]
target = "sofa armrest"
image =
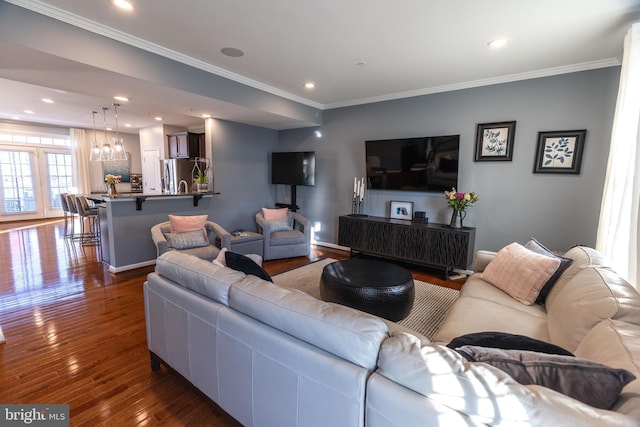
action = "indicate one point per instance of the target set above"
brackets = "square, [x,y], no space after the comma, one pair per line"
[263,228]
[482,259]
[159,240]
[303,224]
[220,234]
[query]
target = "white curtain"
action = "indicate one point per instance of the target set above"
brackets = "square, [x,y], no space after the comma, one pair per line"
[80,150]
[618,226]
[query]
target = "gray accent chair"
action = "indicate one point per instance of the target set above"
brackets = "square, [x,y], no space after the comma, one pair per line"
[285,243]
[218,238]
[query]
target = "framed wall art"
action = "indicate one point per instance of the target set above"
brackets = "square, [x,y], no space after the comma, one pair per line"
[560,151]
[494,141]
[401,210]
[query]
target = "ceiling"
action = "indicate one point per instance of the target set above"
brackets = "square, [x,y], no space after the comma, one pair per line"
[355,52]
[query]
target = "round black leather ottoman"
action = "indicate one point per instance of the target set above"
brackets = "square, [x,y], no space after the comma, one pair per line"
[377,287]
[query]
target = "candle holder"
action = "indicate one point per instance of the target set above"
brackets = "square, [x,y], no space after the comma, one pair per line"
[356,206]
[357,201]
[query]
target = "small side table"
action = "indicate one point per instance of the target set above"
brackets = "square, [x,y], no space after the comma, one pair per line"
[247,242]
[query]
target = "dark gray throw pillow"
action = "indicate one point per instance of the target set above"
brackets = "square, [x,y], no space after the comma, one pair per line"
[589,382]
[537,247]
[242,263]
[507,341]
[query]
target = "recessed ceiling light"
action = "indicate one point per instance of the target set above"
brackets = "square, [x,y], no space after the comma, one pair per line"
[158,118]
[47,100]
[127,125]
[123,4]
[232,52]
[309,85]
[28,112]
[121,98]
[206,116]
[497,43]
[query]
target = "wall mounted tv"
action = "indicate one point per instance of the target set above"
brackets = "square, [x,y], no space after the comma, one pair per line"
[294,168]
[413,164]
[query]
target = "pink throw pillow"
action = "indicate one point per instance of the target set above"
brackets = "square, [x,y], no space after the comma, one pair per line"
[182,224]
[520,272]
[221,259]
[271,214]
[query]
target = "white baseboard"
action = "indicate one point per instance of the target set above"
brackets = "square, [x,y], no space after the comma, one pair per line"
[122,268]
[332,246]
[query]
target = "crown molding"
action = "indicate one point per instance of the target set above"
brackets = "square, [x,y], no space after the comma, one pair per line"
[584,66]
[103,30]
[120,36]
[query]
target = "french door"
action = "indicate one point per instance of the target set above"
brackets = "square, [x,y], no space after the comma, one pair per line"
[32,179]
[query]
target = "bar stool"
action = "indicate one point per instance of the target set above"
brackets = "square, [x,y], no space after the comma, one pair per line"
[86,213]
[73,212]
[65,212]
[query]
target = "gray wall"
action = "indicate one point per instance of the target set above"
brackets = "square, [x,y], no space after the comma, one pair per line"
[515,203]
[241,173]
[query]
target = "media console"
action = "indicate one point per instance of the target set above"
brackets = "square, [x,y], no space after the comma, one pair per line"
[433,245]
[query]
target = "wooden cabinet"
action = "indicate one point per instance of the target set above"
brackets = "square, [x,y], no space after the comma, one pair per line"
[435,245]
[186,145]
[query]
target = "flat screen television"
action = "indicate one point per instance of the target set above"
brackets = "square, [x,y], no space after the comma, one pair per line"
[426,164]
[294,168]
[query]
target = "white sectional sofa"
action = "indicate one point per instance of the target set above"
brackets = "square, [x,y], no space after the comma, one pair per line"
[274,357]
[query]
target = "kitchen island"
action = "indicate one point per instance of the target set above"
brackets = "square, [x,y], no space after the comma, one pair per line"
[126,220]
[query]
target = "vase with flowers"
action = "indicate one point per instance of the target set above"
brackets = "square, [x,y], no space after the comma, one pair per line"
[112,180]
[459,203]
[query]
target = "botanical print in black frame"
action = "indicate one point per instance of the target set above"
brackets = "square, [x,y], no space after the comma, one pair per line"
[560,151]
[494,141]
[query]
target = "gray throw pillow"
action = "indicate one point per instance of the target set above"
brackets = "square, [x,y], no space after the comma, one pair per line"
[188,239]
[281,224]
[589,382]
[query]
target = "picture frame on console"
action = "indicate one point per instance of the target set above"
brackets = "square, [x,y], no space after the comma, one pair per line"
[401,210]
[560,151]
[494,141]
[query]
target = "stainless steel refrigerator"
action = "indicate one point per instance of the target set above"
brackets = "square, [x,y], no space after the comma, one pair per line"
[176,175]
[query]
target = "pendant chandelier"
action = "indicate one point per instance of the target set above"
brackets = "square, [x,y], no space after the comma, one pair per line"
[94,156]
[118,152]
[107,152]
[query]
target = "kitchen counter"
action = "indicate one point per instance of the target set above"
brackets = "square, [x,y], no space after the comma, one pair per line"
[126,220]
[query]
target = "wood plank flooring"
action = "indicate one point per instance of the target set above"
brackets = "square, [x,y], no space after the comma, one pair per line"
[75,334]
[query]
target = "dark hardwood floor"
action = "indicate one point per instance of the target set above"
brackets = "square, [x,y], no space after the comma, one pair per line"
[75,334]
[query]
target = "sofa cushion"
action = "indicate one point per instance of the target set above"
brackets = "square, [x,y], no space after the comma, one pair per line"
[469,314]
[181,224]
[617,344]
[246,265]
[187,239]
[506,341]
[520,272]
[589,382]
[289,237]
[482,392]
[592,295]
[537,247]
[198,275]
[347,333]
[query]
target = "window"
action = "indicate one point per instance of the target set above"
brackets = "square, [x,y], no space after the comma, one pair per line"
[17,182]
